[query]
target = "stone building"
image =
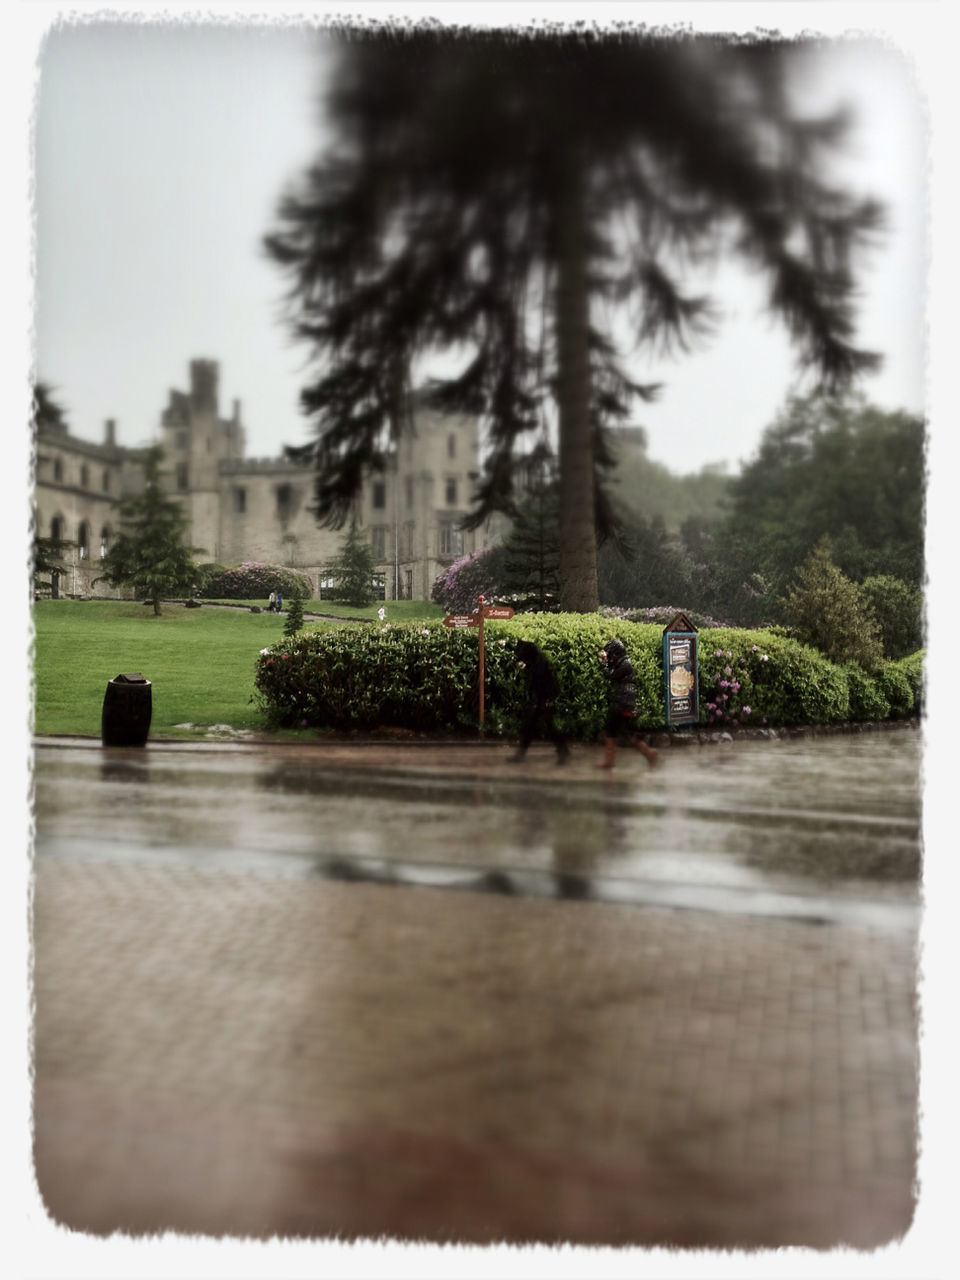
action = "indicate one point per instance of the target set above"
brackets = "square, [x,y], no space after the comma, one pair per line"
[258,509]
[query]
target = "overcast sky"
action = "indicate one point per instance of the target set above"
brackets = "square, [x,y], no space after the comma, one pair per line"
[161,151]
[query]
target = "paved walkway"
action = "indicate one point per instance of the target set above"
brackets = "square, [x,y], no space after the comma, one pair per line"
[234,1051]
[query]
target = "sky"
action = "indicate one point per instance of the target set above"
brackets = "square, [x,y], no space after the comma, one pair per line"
[161,151]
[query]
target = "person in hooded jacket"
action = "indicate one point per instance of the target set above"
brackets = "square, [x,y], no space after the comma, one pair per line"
[622,712]
[541,692]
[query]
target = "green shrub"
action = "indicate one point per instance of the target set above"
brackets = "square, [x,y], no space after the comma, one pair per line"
[254,581]
[912,668]
[424,677]
[895,686]
[898,608]
[828,611]
[866,698]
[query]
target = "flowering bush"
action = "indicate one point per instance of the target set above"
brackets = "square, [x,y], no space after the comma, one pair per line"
[475,574]
[254,581]
[758,678]
[660,614]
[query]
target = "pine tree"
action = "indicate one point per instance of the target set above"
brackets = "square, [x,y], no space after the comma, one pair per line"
[294,622]
[354,568]
[509,195]
[531,553]
[149,552]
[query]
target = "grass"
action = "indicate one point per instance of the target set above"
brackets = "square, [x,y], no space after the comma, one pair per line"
[200,661]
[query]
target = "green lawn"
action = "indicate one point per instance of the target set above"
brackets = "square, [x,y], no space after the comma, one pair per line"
[200,661]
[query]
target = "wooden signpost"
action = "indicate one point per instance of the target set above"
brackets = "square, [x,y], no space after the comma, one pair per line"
[476,619]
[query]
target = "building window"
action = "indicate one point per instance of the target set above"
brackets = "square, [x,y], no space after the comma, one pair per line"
[239,501]
[181,439]
[451,540]
[84,476]
[379,584]
[284,500]
[451,446]
[379,495]
[408,485]
[83,541]
[182,475]
[106,480]
[408,584]
[451,491]
[58,468]
[104,541]
[406,546]
[378,540]
[56,529]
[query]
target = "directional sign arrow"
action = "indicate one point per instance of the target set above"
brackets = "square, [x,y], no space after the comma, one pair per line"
[497,611]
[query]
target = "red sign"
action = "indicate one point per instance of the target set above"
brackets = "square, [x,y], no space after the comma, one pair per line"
[462,620]
[497,611]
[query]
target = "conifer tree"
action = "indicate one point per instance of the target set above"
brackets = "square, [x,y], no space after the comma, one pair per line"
[531,553]
[354,568]
[508,195]
[149,552]
[294,622]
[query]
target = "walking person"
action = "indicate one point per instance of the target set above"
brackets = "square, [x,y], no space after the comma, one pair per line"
[541,693]
[622,713]
[272,602]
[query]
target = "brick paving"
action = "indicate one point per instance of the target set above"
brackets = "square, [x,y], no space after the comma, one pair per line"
[225,1052]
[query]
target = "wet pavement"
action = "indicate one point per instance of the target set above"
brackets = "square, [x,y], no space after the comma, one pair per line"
[420,991]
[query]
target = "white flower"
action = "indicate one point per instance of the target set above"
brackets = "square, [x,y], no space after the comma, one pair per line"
[263,651]
[424,631]
[502,644]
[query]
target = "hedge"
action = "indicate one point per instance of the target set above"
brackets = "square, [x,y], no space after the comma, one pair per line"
[424,677]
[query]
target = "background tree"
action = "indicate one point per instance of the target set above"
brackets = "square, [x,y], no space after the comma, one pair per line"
[354,568]
[149,552]
[531,550]
[507,195]
[48,556]
[898,608]
[833,466]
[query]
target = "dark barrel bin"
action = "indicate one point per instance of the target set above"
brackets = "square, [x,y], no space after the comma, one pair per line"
[127,708]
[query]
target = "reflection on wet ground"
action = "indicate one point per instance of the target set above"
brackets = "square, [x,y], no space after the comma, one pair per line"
[818,829]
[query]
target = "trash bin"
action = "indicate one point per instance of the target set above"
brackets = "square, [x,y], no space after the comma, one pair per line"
[127,708]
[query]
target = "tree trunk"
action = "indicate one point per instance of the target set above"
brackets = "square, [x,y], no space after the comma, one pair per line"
[578,533]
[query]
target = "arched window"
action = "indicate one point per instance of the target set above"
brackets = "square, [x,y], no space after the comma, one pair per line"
[104,541]
[84,476]
[56,528]
[106,480]
[451,446]
[58,469]
[83,541]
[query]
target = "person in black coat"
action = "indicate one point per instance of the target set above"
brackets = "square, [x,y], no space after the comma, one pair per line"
[541,693]
[622,712]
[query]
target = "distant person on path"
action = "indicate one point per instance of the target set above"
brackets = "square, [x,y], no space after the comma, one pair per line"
[541,693]
[279,602]
[622,713]
[272,602]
